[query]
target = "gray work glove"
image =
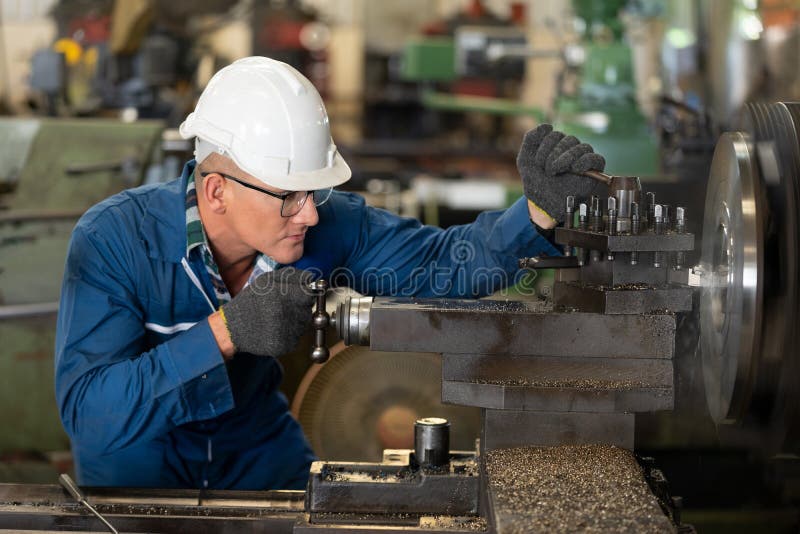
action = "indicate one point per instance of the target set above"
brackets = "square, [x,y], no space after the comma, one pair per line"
[550,162]
[268,317]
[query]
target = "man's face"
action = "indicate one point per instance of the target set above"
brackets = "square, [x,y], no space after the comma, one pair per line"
[256,220]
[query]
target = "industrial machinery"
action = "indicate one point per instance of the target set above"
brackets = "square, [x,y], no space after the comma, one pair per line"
[750,306]
[557,383]
[571,372]
[53,170]
[385,393]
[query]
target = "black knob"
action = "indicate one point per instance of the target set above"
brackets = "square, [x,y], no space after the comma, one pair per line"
[432,442]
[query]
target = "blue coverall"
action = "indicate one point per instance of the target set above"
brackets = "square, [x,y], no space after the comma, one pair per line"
[143,391]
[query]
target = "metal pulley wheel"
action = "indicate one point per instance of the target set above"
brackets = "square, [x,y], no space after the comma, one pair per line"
[361,402]
[749,306]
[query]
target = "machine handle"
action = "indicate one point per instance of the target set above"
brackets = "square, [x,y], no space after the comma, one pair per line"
[66,481]
[321,320]
[68,484]
[549,262]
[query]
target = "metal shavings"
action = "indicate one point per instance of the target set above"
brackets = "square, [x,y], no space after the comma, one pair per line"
[571,488]
[403,520]
[489,305]
[576,383]
[446,522]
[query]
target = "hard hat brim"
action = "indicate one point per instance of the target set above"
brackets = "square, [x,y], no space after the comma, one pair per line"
[336,174]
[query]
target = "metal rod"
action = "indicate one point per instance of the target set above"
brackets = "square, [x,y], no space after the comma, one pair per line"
[17,311]
[599,176]
[66,481]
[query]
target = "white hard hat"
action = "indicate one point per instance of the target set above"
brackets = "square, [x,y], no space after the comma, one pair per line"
[271,121]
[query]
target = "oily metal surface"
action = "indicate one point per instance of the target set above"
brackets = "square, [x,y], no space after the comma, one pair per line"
[571,397]
[558,384]
[645,242]
[388,524]
[571,488]
[775,403]
[38,507]
[732,274]
[515,328]
[616,300]
[576,372]
[756,304]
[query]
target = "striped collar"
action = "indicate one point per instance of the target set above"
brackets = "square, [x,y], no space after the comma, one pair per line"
[196,239]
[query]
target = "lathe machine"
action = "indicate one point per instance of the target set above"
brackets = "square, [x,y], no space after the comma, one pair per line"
[558,382]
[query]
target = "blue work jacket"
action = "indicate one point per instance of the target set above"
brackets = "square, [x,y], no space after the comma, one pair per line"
[143,391]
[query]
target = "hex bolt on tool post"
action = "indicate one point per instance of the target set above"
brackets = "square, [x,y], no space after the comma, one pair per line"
[658,228]
[320,320]
[581,226]
[596,225]
[635,229]
[569,215]
[651,208]
[611,227]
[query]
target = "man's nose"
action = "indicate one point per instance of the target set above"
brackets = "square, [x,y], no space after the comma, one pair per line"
[308,214]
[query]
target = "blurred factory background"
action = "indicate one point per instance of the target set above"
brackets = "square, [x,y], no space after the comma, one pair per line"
[428,100]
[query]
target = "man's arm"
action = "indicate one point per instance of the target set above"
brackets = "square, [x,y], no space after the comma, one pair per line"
[394,255]
[111,392]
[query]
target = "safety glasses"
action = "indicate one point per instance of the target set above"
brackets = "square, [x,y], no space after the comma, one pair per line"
[292,201]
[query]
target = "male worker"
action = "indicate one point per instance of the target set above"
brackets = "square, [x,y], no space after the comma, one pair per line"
[178,298]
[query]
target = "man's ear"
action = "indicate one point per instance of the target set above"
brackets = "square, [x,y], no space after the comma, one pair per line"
[213,191]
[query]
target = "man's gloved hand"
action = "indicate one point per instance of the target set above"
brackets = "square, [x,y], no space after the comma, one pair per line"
[550,162]
[268,317]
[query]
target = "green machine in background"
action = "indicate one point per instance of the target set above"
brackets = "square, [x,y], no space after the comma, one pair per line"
[52,171]
[603,110]
[599,107]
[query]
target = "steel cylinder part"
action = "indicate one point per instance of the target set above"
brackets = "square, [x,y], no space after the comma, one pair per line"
[582,216]
[612,214]
[351,320]
[569,213]
[625,189]
[666,210]
[651,210]
[597,216]
[432,442]
[579,252]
